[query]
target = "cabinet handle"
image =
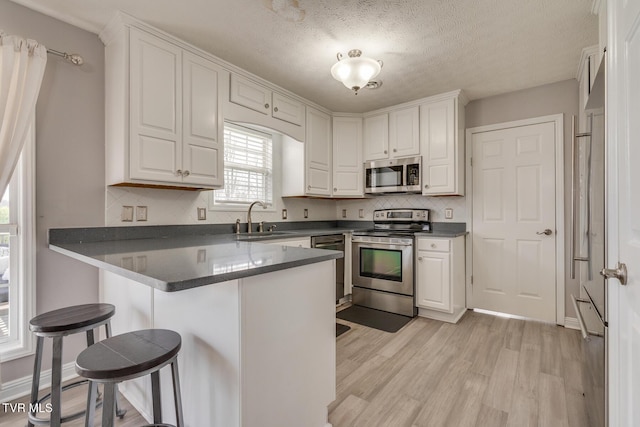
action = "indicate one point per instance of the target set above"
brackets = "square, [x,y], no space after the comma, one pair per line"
[275,109]
[385,151]
[179,172]
[395,150]
[266,105]
[186,173]
[433,245]
[419,258]
[308,187]
[335,189]
[426,186]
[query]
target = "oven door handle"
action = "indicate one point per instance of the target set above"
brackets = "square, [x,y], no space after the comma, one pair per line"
[378,245]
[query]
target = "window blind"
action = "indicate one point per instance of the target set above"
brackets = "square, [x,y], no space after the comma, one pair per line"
[248,171]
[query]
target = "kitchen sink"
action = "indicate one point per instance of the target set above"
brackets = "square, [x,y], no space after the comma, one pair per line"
[263,235]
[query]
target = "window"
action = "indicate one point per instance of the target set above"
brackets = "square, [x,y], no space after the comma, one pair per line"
[17,264]
[248,170]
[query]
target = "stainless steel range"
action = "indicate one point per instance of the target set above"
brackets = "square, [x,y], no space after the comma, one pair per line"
[383,261]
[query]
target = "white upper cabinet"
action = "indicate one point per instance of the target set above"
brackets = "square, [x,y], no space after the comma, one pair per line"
[392,134]
[442,146]
[163,112]
[376,137]
[318,159]
[276,110]
[347,157]
[404,132]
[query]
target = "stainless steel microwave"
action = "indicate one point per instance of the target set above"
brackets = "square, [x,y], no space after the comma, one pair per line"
[393,176]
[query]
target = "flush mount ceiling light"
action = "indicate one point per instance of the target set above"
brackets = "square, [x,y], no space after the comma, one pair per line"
[356,71]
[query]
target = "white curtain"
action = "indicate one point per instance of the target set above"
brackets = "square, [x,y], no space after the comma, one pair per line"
[22,64]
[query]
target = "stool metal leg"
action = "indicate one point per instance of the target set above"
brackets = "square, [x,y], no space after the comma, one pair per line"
[35,383]
[108,405]
[56,381]
[155,392]
[177,398]
[91,404]
[119,412]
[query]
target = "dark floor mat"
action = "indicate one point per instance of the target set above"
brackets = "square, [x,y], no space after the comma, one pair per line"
[341,329]
[388,322]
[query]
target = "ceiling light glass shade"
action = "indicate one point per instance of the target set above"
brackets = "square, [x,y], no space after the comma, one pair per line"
[355,71]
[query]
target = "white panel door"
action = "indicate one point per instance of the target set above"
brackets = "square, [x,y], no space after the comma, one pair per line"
[623,112]
[404,132]
[318,153]
[437,146]
[347,156]
[514,265]
[203,159]
[156,108]
[376,137]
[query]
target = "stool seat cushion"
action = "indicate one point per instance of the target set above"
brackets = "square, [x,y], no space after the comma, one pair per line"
[70,318]
[128,355]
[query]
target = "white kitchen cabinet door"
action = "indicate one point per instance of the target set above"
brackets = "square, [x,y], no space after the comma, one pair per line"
[287,109]
[318,153]
[347,156]
[404,132]
[376,137]
[250,94]
[442,156]
[156,108]
[203,145]
[434,284]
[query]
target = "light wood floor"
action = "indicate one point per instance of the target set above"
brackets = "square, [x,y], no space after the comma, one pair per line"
[484,371]
[74,400]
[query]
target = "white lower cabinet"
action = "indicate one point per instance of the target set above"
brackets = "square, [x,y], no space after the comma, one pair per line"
[300,242]
[440,278]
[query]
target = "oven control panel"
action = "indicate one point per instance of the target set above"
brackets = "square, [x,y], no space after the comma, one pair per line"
[401,215]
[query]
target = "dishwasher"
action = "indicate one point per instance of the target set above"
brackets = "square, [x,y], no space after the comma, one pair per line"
[334,242]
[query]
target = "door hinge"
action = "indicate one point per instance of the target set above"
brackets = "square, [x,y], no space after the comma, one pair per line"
[472,280]
[471,161]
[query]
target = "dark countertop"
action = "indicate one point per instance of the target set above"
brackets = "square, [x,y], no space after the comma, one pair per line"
[177,263]
[174,258]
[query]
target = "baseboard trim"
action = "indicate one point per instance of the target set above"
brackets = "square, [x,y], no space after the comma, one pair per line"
[21,387]
[571,323]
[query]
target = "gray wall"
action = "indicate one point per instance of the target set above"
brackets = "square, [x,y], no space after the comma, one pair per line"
[554,98]
[69,164]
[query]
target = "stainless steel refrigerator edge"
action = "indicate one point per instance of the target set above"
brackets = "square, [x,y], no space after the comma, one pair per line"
[588,250]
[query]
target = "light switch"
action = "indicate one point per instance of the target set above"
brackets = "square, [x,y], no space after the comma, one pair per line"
[448,213]
[127,214]
[141,213]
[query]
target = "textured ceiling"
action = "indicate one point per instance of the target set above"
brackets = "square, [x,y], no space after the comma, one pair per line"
[485,47]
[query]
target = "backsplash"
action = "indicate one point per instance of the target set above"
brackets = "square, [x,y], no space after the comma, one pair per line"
[175,207]
[436,204]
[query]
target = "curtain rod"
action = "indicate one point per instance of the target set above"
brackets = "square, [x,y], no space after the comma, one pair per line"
[73,58]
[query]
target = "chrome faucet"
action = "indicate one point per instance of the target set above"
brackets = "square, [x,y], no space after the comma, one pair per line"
[257,202]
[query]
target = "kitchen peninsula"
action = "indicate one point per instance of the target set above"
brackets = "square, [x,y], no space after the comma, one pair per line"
[257,321]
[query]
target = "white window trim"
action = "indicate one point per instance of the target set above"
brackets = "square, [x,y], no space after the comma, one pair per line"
[22,344]
[242,207]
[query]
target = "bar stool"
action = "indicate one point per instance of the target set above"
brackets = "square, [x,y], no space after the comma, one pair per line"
[57,324]
[128,356]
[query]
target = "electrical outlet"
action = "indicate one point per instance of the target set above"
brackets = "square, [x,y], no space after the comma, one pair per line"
[344,213]
[202,214]
[284,214]
[127,214]
[448,213]
[360,213]
[141,213]
[306,213]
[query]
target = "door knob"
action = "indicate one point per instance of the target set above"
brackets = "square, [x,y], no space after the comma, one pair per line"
[620,273]
[546,232]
